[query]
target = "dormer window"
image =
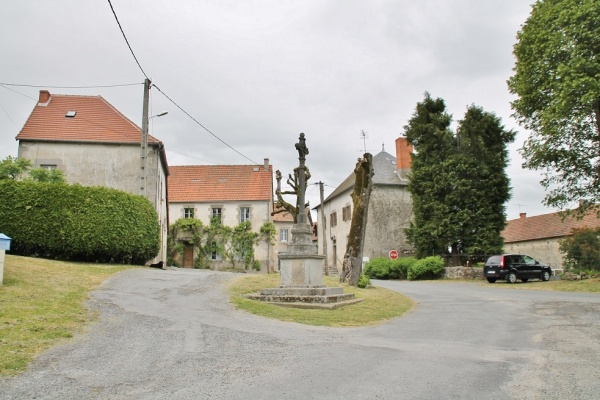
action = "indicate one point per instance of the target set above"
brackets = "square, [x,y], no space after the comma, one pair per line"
[70,114]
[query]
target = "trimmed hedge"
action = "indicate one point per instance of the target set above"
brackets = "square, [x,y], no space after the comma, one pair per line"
[73,222]
[426,268]
[384,268]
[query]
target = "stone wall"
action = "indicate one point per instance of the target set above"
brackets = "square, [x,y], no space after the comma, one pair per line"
[462,273]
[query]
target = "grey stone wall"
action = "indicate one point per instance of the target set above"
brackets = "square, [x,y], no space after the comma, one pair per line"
[462,273]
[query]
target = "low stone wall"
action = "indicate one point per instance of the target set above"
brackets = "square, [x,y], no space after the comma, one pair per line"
[462,273]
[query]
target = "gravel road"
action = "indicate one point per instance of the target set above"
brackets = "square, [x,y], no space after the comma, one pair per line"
[173,335]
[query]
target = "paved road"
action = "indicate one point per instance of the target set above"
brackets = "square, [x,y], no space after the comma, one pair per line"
[172,335]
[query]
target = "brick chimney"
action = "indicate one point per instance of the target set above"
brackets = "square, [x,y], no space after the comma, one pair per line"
[44,98]
[522,215]
[266,164]
[403,156]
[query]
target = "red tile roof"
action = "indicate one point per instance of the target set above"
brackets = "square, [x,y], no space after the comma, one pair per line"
[545,226]
[283,216]
[95,120]
[202,183]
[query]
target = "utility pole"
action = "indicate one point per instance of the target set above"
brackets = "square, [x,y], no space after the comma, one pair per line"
[144,146]
[324,229]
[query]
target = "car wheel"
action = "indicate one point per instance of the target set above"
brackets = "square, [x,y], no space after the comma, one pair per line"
[545,276]
[491,280]
[511,277]
[525,279]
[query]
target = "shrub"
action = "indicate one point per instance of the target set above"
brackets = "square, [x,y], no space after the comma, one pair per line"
[378,268]
[426,268]
[582,249]
[400,266]
[73,222]
[363,281]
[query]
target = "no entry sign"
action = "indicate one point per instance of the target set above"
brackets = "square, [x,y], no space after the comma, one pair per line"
[393,254]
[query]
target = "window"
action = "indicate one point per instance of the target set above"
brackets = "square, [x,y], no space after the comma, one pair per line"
[217,213]
[244,214]
[283,235]
[333,219]
[188,212]
[48,167]
[214,254]
[346,214]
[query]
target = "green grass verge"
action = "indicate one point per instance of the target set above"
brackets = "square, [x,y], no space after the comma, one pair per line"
[41,304]
[562,285]
[379,305]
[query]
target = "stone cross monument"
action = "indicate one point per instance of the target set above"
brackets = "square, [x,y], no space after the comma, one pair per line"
[301,268]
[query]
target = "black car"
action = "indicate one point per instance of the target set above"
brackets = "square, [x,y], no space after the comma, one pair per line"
[515,266]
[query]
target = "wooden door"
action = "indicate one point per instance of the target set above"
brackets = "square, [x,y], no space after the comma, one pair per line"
[188,256]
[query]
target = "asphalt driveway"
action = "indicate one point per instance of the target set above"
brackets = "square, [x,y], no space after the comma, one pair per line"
[173,335]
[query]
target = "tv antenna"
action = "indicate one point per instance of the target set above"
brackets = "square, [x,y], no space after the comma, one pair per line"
[363,135]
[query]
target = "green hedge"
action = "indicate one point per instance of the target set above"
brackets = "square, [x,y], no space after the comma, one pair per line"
[426,268]
[73,222]
[384,268]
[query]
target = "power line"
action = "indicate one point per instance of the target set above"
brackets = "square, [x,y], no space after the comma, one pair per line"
[190,156]
[205,128]
[127,41]
[69,87]
[12,90]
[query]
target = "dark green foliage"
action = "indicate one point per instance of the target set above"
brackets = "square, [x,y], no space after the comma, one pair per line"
[582,249]
[556,80]
[458,181]
[378,268]
[363,281]
[426,268]
[400,266]
[73,222]
[384,268]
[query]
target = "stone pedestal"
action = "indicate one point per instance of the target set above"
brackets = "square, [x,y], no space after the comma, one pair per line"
[301,270]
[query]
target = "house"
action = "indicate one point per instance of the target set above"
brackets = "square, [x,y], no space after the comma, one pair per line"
[390,209]
[95,145]
[283,221]
[232,193]
[539,236]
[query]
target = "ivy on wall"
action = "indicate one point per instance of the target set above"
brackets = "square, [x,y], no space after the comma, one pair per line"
[235,245]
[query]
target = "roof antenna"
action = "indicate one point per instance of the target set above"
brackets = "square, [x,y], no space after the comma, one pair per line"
[382,147]
[363,134]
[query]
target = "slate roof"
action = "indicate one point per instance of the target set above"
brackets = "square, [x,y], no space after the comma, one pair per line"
[384,173]
[95,120]
[546,226]
[204,183]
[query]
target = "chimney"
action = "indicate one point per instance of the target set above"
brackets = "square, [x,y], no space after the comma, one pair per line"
[522,215]
[44,97]
[266,164]
[403,156]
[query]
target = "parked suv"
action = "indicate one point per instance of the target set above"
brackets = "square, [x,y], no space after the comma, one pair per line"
[515,266]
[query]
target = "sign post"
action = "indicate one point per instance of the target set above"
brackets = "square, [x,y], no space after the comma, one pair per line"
[393,254]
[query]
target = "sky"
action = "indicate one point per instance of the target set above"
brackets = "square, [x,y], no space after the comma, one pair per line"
[253,74]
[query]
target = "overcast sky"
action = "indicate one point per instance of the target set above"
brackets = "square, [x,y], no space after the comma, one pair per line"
[256,73]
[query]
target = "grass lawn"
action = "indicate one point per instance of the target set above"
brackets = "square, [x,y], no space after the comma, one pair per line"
[562,285]
[41,304]
[378,306]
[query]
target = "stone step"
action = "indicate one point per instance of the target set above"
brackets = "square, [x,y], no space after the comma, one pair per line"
[302,291]
[335,298]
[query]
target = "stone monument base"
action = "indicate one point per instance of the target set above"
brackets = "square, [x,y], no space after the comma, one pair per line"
[302,285]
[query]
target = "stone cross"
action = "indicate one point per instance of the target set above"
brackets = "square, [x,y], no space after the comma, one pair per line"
[302,152]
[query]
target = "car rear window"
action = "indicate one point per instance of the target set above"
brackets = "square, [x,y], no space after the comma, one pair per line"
[494,260]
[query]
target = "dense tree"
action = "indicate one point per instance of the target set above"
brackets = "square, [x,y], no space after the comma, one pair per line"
[15,169]
[557,81]
[582,249]
[458,181]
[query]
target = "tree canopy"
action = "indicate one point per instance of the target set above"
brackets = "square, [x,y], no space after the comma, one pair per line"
[557,81]
[458,181]
[15,169]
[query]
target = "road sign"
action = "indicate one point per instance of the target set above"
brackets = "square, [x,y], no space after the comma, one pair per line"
[393,254]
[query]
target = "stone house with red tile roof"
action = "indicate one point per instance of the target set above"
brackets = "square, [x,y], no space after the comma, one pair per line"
[95,145]
[539,236]
[390,209]
[234,193]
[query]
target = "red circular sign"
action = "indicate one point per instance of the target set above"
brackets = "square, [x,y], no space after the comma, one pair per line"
[393,254]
